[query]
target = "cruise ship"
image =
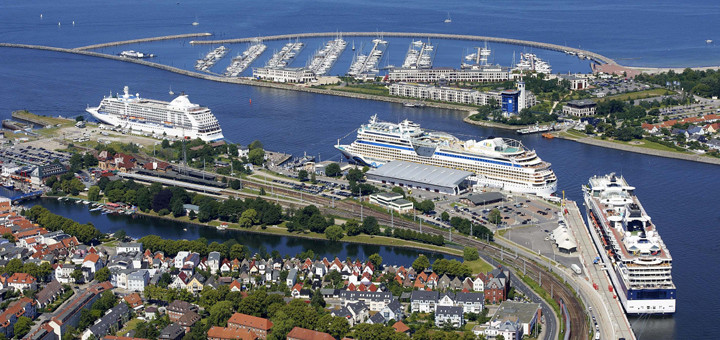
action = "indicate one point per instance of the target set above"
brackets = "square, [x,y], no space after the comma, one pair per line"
[639,263]
[497,162]
[178,118]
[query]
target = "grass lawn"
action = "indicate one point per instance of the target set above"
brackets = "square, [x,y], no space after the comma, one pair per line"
[111,243]
[378,90]
[573,133]
[479,266]
[128,327]
[636,95]
[647,145]
[45,119]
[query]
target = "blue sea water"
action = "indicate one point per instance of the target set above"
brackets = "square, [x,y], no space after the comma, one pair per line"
[679,195]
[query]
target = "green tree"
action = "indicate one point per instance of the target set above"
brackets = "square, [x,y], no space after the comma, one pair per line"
[177,208]
[334,233]
[352,227]
[94,193]
[317,300]
[494,216]
[355,175]
[370,226]
[445,216]
[376,260]
[303,175]
[22,326]
[256,144]
[589,129]
[313,178]
[220,313]
[333,170]
[398,190]
[102,275]
[256,156]
[425,206]
[470,254]
[77,275]
[421,263]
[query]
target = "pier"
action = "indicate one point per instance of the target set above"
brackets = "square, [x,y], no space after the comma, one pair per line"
[142,40]
[17,115]
[554,47]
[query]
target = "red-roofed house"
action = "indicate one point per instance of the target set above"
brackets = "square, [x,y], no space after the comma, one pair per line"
[23,307]
[235,286]
[298,333]
[93,262]
[158,166]
[220,333]
[400,327]
[22,281]
[258,326]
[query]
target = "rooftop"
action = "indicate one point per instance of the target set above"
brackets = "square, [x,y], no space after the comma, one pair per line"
[523,311]
[421,173]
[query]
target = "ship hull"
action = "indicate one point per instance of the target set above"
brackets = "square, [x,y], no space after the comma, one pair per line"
[152,128]
[631,300]
[545,190]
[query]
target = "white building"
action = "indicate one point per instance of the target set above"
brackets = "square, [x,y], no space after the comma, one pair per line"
[129,247]
[452,315]
[580,108]
[138,280]
[392,201]
[213,262]
[457,95]
[63,272]
[477,75]
[284,75]
[423,301]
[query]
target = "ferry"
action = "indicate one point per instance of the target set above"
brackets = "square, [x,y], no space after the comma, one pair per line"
[136,54]
[179,118]
[534,129]
[640,265]
[497,162]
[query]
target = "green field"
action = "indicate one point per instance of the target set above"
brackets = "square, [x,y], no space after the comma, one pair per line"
[637,95]
[647,145]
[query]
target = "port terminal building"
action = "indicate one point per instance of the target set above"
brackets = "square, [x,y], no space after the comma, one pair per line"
[284,74]
[421,177]
[392,200]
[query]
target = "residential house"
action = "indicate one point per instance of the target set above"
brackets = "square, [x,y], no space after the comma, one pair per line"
[375,301]
[22,282]
[138,280]
[129,247]
[359,310]
[470,302]
[172,331]
[213,262]
[393,311]
[451,315]
[377,318]
[69,314]
[220,333]
[478,284]
[109,323]
[509,329]
[258,326]
[178,308]
[423,301]
[188,320]
[24,307]
[49,293]
[134,301]
[446,299]
[298,333]
[400,327]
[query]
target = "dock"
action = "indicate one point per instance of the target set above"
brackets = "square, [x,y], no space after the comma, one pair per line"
[17,115]
[366,66]
[285,56]
[607,310]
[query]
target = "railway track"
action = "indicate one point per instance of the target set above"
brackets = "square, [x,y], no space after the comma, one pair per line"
[348,209]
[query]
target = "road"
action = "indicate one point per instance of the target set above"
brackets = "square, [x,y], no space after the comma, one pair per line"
[611,317]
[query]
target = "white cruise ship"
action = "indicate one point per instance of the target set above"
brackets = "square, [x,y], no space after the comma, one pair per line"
[639,264]
[498,162]
[178,118]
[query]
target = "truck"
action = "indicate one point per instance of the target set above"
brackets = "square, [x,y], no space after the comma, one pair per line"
[576,269]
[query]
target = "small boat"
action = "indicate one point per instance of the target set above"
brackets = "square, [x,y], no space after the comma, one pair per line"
[58,24]
[171,91]
[96,209]
[448,19]
[548,135]
[184,229]
[709,41]
[353,46]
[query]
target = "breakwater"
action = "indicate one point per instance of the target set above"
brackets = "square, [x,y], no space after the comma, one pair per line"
[554,47]
[142,40]
[241,81]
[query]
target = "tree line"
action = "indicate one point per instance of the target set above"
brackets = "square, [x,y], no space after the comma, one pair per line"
[52,222]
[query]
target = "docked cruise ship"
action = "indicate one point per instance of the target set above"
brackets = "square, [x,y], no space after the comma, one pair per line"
[497,162]
[178,118]
[639,264]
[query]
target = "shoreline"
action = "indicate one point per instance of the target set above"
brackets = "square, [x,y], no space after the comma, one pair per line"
[641,150]
[254,230]
[493,124]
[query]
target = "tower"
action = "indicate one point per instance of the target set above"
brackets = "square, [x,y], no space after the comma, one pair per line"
[521,98]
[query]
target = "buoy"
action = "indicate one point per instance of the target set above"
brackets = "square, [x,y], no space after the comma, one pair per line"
[250,101]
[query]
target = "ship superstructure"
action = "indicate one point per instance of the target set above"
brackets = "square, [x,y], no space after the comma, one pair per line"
[178,118]
[639,263]
[498,162]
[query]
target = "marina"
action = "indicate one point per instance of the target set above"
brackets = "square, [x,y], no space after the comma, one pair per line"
[285,56]
[324,59]
[241,62]
[531,62]
[419,55]
[211,58]
[365,66]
